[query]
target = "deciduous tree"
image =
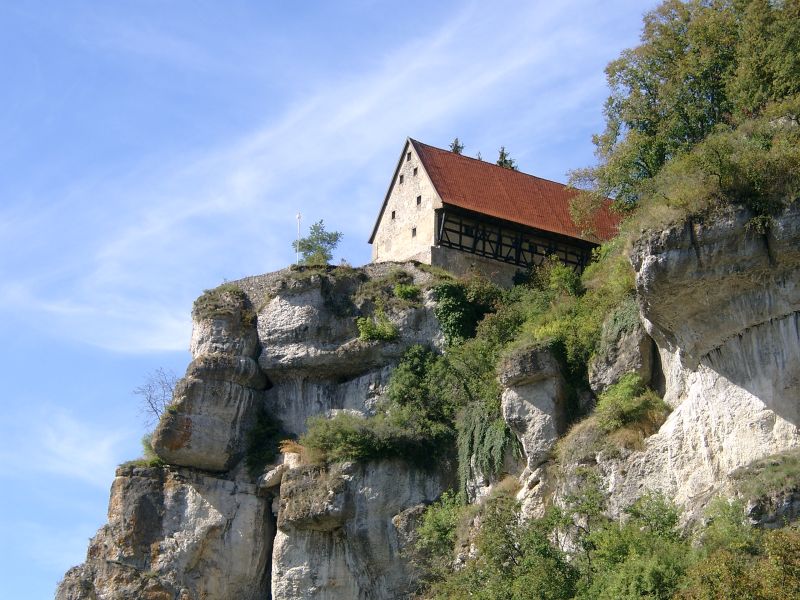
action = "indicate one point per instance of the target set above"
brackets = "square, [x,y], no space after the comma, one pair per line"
[317,248]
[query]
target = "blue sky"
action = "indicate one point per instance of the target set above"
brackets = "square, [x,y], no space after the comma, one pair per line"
[150,150]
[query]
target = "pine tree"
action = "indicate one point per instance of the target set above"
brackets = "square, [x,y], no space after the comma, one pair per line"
[505,161]
[456,146]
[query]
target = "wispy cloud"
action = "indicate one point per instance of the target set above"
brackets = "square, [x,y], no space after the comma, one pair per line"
[57,444]
[155,235]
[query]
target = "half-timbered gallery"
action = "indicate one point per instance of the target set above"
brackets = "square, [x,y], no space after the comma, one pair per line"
[462,213]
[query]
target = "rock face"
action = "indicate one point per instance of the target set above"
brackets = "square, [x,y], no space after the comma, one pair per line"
[215,404]
[534,405]
[177,534]
[342,530]
[719,332]
[721,303]
[203,527]
[312,354]
[630,351]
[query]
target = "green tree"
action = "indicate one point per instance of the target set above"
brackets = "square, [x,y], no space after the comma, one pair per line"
[317,248]
[505,161]
[701,63]
[456,146]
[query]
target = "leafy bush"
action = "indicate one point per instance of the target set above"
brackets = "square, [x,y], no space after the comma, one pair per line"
[436,536]
[416,422]
[629,403]
[377,327]
[756,164]
[515,560]
[460,305]
[149,457]
[739,562]
[401,433]
[342,437]
[407,291]
[569,317]
[626,414]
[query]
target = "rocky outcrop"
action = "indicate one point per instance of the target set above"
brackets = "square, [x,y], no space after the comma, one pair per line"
[534,405]
[177,534]
[722,303]
[707,282]
[215,404]
[628,350]
[718,329]
[310,346]
[203,527]
[342,530]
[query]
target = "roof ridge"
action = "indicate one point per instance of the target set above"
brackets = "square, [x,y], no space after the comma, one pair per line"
[491,164]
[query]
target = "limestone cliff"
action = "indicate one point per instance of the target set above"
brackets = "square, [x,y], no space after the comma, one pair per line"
[721,304]
[203,526]
[719,336]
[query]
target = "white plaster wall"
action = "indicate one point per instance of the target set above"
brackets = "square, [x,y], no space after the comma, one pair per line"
[393,240]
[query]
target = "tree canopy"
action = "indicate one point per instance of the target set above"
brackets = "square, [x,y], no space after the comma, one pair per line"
[700,64]
[317,248]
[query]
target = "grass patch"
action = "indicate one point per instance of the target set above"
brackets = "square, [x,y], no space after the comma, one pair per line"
[149,457]
[227,300]
[439,274]
[403,434]
[394,291]
[771,475]
[414,423]
[626,414]
[408,292]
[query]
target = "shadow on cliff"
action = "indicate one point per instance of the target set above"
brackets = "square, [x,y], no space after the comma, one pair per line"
[765,361]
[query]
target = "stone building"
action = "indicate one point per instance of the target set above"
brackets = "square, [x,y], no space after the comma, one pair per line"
[462,214]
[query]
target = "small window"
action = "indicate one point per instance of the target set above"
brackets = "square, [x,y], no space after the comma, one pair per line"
[415,171]
[408,156]
[392,214]
[419,200]
[401,179]
[413,232]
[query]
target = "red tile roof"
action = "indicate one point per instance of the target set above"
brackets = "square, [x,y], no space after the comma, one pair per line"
[486,188]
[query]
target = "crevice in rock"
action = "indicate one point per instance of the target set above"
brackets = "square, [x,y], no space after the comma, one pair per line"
[773,261]
[658,380]
[271,530]
[693,240]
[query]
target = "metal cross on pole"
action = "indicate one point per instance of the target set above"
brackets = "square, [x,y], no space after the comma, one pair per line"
[297,245]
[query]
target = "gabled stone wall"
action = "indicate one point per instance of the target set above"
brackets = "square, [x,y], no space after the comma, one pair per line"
[393,239]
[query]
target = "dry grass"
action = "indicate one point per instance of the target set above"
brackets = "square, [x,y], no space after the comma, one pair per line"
[308,456]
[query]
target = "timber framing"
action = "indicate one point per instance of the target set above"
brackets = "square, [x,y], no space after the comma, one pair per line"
[525,247]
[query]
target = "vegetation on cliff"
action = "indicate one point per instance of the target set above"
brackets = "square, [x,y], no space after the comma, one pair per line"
[576,552]
[705,113]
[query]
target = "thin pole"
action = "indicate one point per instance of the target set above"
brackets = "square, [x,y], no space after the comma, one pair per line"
[297,252]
